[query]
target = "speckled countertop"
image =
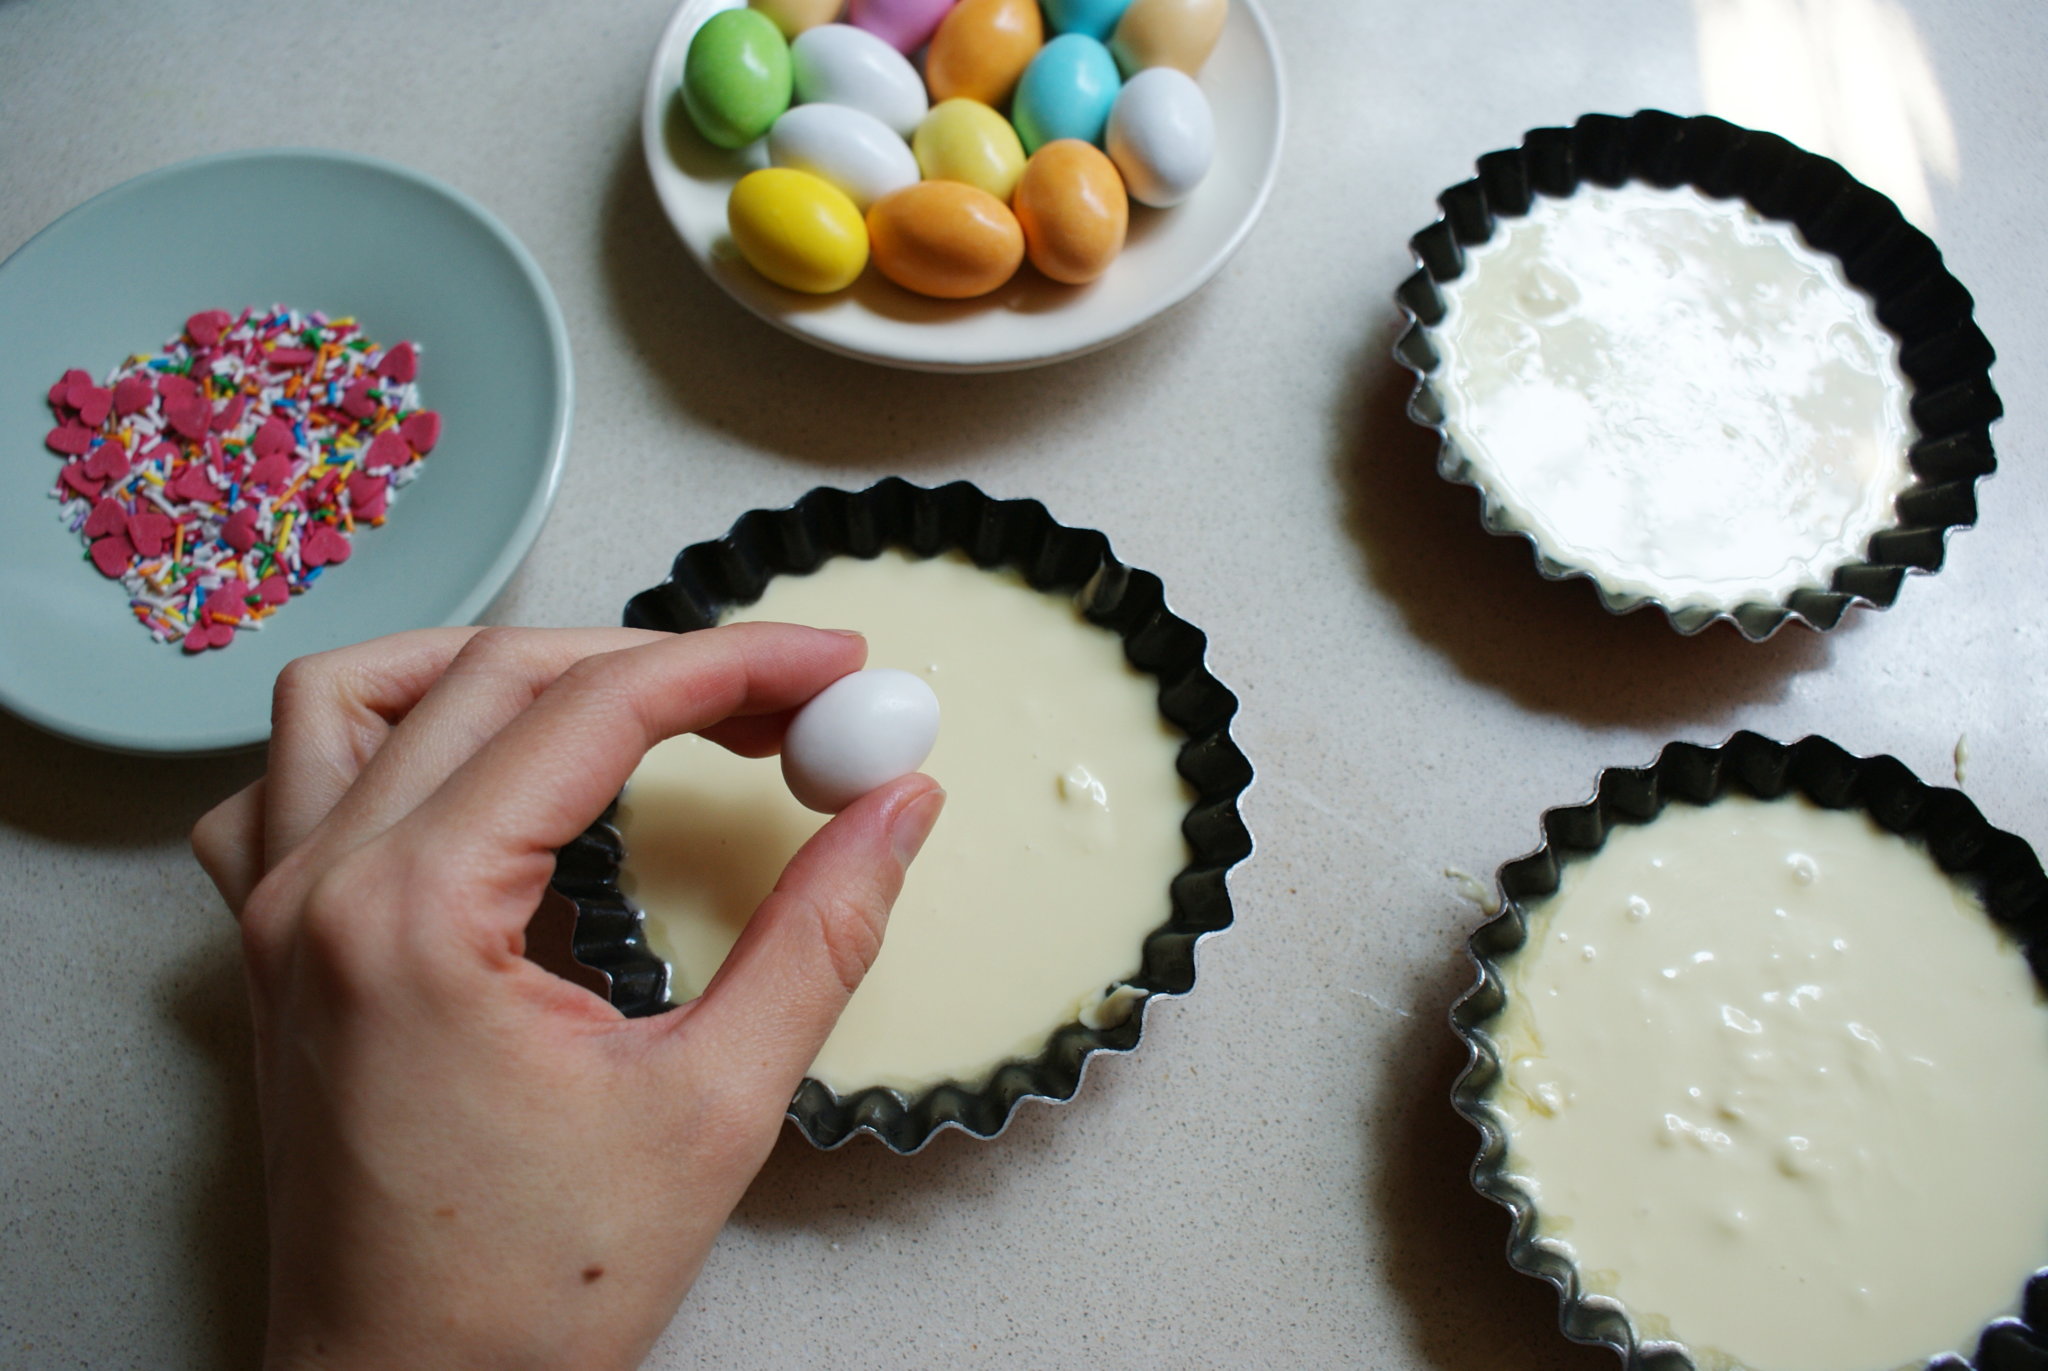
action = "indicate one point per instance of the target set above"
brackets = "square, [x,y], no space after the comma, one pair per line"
[1275,1178]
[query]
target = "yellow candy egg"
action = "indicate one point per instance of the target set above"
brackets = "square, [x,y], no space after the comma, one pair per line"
[946,239]
[1167,33]
[981,48]
[1072,207]
[795,16]
[798,230]
[965,140]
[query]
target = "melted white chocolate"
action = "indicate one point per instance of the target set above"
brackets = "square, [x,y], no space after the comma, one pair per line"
[1049,865]
[1675,395]
[1779,1085]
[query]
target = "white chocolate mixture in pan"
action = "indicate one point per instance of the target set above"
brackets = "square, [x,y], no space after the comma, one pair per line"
[1052,860]
[1675,395]
[1780,1086]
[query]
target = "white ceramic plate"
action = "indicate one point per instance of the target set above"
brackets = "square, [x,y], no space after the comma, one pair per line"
[1030,321]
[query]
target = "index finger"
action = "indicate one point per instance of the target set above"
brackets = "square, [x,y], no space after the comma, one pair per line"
[330,714]
[547,774]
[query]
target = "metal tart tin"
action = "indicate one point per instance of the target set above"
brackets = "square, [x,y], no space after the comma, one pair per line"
[710,578]
[2000,867]
[1946,360]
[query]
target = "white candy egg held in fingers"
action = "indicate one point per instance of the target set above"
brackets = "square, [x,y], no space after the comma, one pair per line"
[1161,136]
[837,64]
[860,732]
[850,148]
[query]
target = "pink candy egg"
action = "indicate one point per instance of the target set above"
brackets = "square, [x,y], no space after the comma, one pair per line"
[905,25]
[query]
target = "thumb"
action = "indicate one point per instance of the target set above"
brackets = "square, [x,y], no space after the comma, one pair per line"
[784,984]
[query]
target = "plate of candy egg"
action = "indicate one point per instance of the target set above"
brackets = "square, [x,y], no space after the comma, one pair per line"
[963,185]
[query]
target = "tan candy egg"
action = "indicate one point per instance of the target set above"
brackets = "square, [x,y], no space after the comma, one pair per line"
[1167,33]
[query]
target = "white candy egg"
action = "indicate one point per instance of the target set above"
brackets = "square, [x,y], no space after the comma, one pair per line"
[838,64]
[848,147]
[860,732]
[1161,136]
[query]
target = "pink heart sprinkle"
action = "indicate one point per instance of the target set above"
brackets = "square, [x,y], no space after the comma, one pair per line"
[132,394]
[75,476]
[206,327]
[356,401]
[228,415]
[107,517]
[110,554]
[192,484]
[94,404]
[73,440]
[225,601]
[274,436]
[422,431]
[239,532]
[206,634]
[172,386]
[274,589]
[109,461]
[270,470]
[323,544]
[288,357]
[367,495]
[161,453]
[387,450]
[148,531]
[401,364]
[190,417]
[61,392]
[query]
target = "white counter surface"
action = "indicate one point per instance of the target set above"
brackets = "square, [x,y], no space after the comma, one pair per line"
[1275,1178]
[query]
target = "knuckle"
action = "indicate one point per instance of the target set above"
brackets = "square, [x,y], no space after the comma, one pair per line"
[304,683]
[490,649]
[592,673]
[593,684]
[338,928]
[211,838]
[264,917]
[850,931]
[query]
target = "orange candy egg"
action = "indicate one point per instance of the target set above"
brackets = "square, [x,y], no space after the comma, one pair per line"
[945,239]
[981,48]
[1073,210]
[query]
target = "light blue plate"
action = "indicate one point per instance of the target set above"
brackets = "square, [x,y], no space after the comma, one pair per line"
[408,257]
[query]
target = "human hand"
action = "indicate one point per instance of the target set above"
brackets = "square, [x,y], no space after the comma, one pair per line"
[468,1160]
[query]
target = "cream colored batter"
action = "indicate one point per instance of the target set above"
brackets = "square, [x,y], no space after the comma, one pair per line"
[1675,395]
[1779,1085]
[1052,860]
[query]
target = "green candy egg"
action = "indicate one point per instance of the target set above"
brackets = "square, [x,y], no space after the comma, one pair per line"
[736,79]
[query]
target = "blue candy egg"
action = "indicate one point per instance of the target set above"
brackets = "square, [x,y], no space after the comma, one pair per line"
[1066,92]
[1096,18]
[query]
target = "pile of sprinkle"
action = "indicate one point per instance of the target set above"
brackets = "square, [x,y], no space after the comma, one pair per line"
[223,475]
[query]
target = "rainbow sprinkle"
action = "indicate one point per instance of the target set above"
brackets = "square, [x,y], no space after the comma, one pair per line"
[221,476]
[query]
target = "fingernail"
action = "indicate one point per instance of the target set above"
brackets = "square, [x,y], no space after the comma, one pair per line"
[847,632]
[913,824]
